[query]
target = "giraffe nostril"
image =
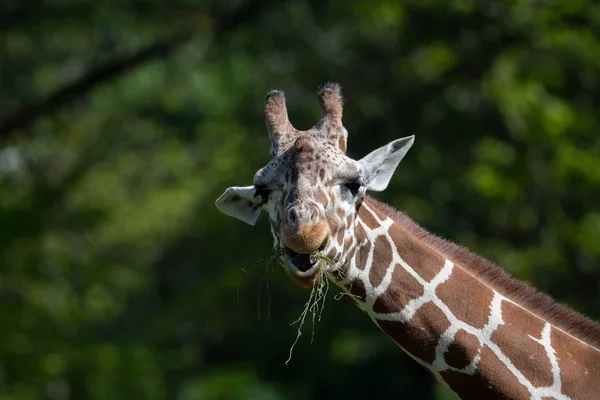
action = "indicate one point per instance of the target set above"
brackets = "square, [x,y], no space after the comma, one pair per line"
[292,217]
[302,213]
[315,213]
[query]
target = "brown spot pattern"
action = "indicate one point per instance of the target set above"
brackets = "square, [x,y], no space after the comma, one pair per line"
[322,198]
[492,381]
[339,237]
[580,367]
[362,255]
[333,254]
[540,304]
[467,298]
[342,143]
[382,260]
[367,218]
[463,350]
[347,242]
[415,253]
[360,233]
[357,288]
[527,355]
[397,296]
[420,335]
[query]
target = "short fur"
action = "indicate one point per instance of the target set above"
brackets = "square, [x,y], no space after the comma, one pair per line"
[521,293]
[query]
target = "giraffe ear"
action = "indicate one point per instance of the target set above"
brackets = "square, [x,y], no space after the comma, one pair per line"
[239,202]
[378,166]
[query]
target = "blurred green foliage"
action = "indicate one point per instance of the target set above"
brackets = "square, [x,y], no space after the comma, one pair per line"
[121,122]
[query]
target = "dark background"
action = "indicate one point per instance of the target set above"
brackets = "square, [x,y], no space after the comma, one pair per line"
[122,121]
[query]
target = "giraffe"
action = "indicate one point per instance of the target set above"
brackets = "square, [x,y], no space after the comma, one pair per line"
[480,332]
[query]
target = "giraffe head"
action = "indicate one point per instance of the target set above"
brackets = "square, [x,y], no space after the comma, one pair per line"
[310,189]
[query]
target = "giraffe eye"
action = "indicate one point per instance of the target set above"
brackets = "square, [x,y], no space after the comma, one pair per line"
[353,187]
[263,193]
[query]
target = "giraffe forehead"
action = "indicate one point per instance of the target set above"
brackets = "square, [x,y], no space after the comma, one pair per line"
[309,161]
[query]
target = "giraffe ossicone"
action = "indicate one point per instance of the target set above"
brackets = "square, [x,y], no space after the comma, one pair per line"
[480,332]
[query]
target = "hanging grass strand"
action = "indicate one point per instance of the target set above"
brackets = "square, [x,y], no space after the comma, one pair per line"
[300,320]
[316,300]
[318,293]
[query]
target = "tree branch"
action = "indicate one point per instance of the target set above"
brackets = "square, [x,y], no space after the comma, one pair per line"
[25,117]
[22,119]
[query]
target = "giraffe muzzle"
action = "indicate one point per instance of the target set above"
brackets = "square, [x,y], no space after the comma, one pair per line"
[300,242]
[306,238]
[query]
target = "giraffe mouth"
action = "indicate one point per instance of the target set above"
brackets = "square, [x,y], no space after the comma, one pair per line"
[301,265]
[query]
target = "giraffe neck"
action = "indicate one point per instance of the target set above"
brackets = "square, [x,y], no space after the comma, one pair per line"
[474,338]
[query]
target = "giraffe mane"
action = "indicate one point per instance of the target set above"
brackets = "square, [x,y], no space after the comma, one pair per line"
[542,305]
